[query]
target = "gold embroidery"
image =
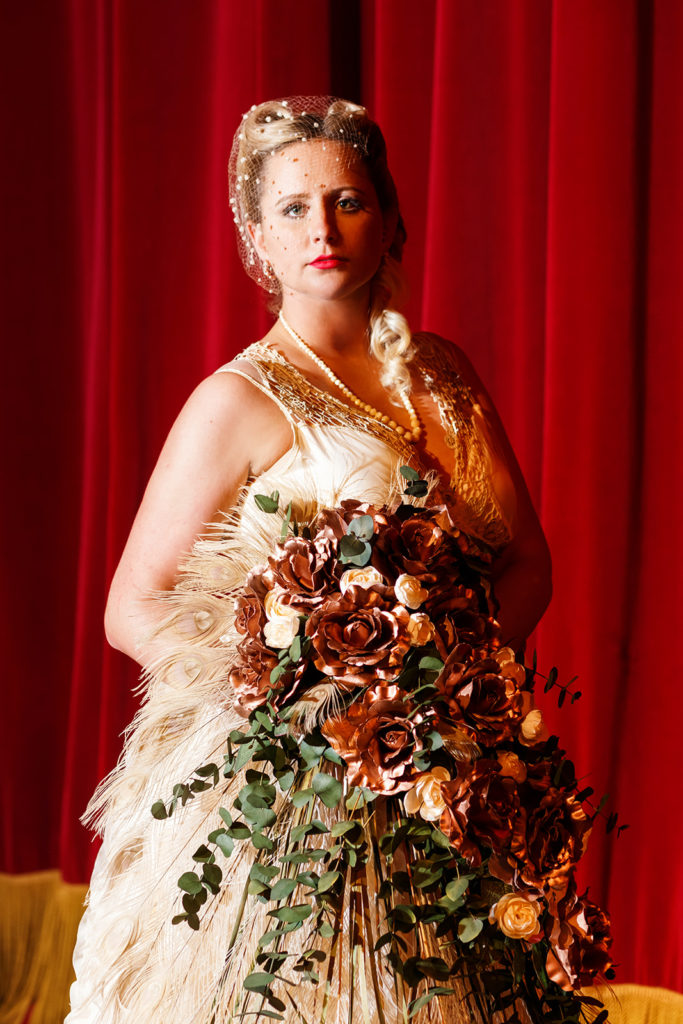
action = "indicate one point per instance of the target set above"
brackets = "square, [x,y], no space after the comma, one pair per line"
[471,476]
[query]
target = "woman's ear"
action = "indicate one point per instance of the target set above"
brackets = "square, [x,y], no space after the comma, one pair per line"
[256,236]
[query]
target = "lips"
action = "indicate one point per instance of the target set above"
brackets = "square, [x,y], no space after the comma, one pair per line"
[328,262]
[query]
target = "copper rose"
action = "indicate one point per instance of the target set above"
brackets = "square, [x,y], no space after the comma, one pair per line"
[250,615]
[486,704]
[464,625]
[493,805]
[359,637]
[251,677]
[549,839]
[453,821]
[580,940]
[304,569]
[377,740]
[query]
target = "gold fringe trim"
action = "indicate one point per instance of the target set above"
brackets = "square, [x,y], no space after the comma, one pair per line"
[38,924]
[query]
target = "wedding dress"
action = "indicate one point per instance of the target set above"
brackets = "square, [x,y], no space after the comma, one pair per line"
[133,965]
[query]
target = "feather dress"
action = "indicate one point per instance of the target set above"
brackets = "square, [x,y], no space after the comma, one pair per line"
[133,965]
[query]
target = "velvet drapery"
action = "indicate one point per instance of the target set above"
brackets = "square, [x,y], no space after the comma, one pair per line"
[539,157]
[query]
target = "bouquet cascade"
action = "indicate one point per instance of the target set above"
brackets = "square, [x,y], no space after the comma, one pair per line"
[375,685]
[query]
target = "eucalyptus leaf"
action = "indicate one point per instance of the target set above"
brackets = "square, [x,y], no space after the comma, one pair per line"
[212,874]
[189,882]
[225,843]
[297,913]
[430,663]
[416,1004]
[469,928]
[417,489]
[258,981]
[362,527]
[239,830]
[263,872]
[315,827]
[268,503]
[283,888]
[262,842]
[261,817]
[458,887]
[350,546]
[328,880]
[327,788]
[159,810]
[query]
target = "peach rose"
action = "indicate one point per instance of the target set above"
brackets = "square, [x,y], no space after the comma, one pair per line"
[510,668]
[517,917]
[511,766]
[366,577]
[409,590]
[420,629]
[426,796]
[533,729]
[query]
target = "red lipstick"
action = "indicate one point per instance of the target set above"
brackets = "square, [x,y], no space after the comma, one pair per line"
[327,262]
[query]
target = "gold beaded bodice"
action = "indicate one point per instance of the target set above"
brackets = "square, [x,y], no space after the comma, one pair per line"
[318,416]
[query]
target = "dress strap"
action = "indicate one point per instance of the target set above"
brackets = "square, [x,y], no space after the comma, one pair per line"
[306,404]
[260,384]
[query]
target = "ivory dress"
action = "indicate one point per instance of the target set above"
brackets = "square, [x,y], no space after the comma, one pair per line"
[133,965]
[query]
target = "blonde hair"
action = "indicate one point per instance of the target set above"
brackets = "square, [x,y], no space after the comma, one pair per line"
[275,124]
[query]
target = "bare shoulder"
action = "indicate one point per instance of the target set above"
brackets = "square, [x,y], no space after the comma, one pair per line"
[234,401]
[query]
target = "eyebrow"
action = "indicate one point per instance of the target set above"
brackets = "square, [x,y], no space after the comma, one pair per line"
[296,196]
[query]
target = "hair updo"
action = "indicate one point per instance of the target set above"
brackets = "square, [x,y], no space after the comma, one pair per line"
[270,127]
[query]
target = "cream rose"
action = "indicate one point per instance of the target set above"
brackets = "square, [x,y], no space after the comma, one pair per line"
[280,632]
[409,590]
[283,620]
[366,577]
[533,728]
[517,917]
[426,797]
[511,766]
[275,606]
[420,629]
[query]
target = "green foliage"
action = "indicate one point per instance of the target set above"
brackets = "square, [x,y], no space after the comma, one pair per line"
[268,502]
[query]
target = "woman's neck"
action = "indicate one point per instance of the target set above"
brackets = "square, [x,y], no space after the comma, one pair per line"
[330,328]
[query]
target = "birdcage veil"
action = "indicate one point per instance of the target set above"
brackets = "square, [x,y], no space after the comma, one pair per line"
[269,128]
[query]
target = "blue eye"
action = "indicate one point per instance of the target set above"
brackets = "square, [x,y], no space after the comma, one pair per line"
[294,210]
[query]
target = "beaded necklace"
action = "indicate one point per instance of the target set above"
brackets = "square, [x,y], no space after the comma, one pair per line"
[408,435]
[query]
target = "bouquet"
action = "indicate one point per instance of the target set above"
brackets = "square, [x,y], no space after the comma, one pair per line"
[374,683]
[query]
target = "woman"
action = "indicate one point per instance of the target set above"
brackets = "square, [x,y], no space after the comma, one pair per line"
[328,406]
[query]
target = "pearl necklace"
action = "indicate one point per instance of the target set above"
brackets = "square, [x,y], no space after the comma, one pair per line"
[407,435]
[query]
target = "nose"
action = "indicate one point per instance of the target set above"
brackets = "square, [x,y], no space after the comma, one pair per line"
[324,222]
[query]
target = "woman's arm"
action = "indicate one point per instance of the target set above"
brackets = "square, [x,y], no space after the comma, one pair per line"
[523,572]
[226,430]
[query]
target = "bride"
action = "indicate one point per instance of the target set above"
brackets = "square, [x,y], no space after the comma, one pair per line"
[329,405]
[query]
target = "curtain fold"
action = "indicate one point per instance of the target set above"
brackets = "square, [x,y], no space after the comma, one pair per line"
[539,158]
[543,140]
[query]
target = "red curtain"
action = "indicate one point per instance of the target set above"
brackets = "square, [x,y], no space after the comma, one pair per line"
[539,157]
[539,152]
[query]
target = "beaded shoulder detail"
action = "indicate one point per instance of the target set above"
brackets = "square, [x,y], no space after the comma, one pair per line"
[468,433]
[461,415]
[306,403]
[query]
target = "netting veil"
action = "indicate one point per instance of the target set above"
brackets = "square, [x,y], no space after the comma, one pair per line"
[270,128]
